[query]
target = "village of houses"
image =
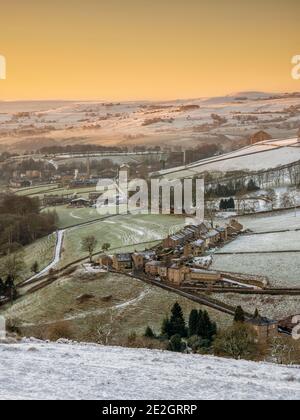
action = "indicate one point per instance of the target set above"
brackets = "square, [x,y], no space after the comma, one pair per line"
[180,257]
[182,262]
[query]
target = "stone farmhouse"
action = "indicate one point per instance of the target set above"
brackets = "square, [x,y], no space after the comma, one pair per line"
[264,328]
[122,262]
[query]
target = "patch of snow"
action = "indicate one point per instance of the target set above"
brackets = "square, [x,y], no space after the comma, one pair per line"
[226,214]
[87,371]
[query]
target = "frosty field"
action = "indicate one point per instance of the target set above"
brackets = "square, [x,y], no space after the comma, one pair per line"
[120,231]
[283,220]
[174,121]
[41,251]
[282,268]
[72,216]
[262,156]
[83,371]
[133,304]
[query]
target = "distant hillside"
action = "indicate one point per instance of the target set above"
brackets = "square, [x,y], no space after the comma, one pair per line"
[181,123]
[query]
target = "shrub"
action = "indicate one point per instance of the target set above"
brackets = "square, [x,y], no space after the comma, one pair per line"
[237,341]
[176,344]
[59,329]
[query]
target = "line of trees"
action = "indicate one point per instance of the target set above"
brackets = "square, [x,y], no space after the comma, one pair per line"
[197,334]
[201,335]
[227,204]
[232,188]
[8,288]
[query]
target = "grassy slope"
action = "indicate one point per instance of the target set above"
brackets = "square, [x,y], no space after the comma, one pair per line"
[69,217]
[147,306]
[35,190]
[274,307]
[41,251]
[120,232]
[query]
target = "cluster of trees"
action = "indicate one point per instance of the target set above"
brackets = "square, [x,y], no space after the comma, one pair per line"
[232,188]
[6,155]
[227,204]
[81,148]
[96,166]
[85,148]
[89,245]
[21,222]
[201,152]
[7,169]
[201,335]
[198,334]
[8,288]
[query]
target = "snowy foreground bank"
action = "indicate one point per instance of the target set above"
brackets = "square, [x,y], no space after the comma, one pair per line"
[36,370]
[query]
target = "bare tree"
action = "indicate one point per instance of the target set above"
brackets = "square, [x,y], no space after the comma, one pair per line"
[105,331]
[89,244]
[282,351]
[272,198]
[210,210]
[13,265]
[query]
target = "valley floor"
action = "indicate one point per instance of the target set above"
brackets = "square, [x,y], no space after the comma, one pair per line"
[86,371]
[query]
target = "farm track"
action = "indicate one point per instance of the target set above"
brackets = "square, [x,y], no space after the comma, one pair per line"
[271,231]
[201,299]
[258,252]
[242,291]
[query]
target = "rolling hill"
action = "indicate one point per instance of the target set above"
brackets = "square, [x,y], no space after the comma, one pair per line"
[188,123]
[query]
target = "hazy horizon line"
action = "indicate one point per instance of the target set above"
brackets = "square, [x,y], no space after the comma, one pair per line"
[229,94]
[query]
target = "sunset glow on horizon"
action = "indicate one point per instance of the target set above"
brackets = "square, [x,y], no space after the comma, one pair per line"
[147,49]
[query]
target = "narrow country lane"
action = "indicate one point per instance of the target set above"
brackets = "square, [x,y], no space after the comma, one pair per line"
[56,259]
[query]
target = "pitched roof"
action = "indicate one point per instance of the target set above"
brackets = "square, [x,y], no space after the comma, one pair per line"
[199,242]
[261,321]
[123,257]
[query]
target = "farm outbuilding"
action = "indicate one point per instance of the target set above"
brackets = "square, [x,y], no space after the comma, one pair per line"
[206,276]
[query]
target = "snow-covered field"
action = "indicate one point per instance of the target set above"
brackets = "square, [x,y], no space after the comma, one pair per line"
[285,220]
[282,268]
[85,371]
[269,242]
[153,123]
[261,156]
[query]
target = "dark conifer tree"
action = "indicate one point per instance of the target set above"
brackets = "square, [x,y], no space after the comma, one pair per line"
[177,322]
[256,314]
[239,315]
[201,326]
[231,204]
[193,323]
[149,333]
[166,328]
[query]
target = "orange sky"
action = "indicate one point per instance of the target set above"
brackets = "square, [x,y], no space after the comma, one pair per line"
[147,49]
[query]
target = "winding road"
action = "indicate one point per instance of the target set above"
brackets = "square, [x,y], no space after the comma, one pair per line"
[56,259]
